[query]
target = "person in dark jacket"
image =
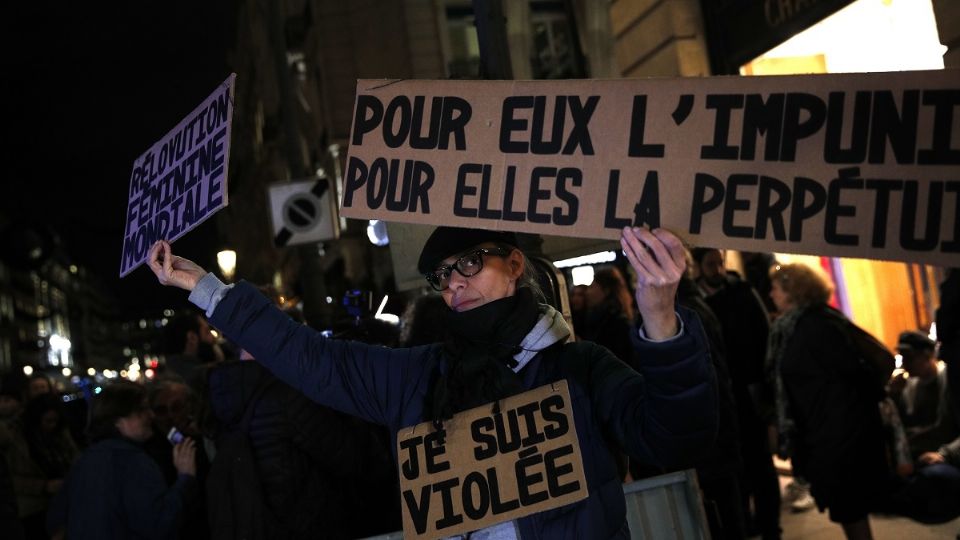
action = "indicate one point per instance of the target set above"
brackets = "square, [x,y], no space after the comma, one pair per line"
[114,490]
[824,402]
[503,343]
[932,494]
[745,325]
[175,405]
[312,461]
[719,469]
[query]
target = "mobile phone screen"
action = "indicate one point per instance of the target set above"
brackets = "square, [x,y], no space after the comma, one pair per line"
[174,436]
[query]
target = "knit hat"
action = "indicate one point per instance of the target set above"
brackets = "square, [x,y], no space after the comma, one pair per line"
[446,241]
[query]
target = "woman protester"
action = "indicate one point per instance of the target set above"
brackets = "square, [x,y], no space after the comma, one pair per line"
[827,416]
[503,342]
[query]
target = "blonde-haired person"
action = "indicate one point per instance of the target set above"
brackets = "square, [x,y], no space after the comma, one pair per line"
[828,422]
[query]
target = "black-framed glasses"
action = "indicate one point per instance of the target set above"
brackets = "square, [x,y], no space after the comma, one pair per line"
[468,265]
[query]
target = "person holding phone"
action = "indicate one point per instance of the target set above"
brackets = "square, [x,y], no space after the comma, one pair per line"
[115,490]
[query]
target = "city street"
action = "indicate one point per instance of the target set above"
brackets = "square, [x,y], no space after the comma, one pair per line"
[813,525]
[380,269]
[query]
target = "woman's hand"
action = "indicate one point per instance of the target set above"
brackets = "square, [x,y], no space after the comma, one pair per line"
[172,270]
[658,259]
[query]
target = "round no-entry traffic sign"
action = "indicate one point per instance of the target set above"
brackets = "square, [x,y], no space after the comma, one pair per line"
[302,212]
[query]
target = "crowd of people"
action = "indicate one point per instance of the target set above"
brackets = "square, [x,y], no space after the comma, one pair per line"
[274,430]
[793,383]
[213,446]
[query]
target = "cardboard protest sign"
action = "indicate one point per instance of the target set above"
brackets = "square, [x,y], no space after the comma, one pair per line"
[854,165]
[181,180]
[484,467]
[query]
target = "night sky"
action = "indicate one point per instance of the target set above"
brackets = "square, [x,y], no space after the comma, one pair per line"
[86,90]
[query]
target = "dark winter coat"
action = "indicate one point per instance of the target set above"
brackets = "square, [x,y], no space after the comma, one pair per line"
[745,326]
[840,437]
[320,470]
[723,457]
[666,413]
[115,491]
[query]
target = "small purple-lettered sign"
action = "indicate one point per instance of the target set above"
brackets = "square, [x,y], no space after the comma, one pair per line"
[181,180]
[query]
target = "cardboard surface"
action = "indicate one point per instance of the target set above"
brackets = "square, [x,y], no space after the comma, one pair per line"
[853,165]
[181,180]
[485,468]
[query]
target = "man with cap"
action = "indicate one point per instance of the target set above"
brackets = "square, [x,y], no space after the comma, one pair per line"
[923,400]
[503,342]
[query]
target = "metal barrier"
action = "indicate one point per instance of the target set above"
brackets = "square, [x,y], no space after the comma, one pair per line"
[668,506]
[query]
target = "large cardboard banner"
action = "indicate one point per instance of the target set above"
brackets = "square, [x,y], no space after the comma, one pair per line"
[852,165]
[181,180]
[488,467]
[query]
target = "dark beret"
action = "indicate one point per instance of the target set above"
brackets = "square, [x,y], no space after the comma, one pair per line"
[447,241]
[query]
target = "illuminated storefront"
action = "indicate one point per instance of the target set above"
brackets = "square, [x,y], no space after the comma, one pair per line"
[843,36]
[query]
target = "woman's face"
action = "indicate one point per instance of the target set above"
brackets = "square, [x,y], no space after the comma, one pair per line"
[497,279]
[780,297]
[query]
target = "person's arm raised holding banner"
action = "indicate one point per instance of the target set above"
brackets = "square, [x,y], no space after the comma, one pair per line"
[504,343]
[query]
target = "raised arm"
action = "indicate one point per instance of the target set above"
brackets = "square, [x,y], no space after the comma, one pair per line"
[371,382]
[668,414]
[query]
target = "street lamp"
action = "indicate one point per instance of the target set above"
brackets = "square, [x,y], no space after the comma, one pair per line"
[377,233]
[227,259]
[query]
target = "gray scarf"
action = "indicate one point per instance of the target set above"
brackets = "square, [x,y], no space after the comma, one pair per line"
[550,328]
[780,333]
